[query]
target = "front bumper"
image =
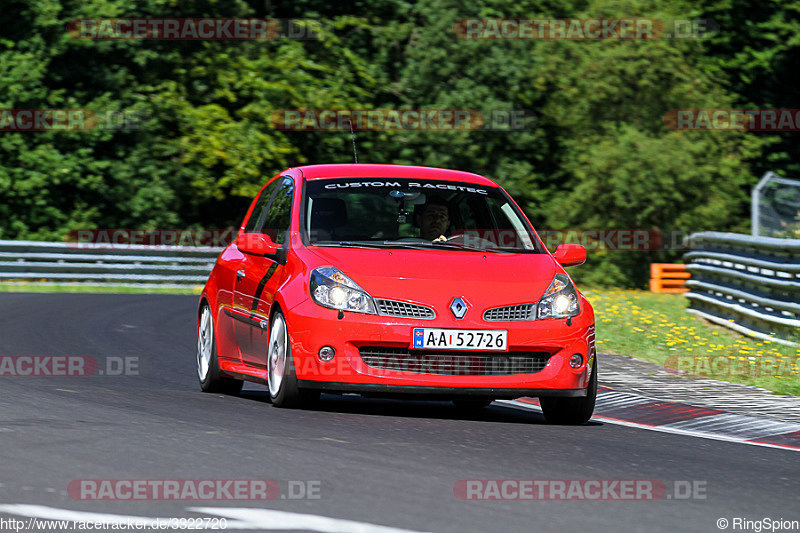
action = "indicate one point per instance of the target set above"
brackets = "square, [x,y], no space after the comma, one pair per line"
[406,391]
[311,327]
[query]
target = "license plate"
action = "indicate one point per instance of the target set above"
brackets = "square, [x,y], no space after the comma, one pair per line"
[461,339]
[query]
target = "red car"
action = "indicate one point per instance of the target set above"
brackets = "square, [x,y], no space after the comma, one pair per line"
[396,280]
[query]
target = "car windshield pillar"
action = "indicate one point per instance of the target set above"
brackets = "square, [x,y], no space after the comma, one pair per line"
[424,214]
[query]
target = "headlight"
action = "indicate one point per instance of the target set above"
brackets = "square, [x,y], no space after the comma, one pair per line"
[330,288]
[560,300]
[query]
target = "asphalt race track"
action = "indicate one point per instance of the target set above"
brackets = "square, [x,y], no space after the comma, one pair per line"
[376,462]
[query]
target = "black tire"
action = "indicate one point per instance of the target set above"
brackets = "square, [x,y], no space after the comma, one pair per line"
[213,381]
[286,393]
[472,404]
[572,411]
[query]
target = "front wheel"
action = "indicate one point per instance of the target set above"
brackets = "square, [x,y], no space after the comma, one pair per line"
[281,375]
[572,411]
[207,364]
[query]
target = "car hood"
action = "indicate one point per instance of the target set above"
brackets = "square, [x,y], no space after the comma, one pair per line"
[435,277]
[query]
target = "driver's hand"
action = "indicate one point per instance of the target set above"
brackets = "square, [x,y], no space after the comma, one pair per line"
[440,238]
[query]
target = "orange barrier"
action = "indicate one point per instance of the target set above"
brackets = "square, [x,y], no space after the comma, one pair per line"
[668,277]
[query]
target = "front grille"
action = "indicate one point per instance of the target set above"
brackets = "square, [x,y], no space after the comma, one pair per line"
[511,312]
[453,362]
[404,309]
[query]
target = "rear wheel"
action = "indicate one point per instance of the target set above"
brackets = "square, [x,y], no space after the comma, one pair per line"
[281,375]
[207,365]
[572,410]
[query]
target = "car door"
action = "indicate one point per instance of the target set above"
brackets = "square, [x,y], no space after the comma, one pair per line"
[258,276]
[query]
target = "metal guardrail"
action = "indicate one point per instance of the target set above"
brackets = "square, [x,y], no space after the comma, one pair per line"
[37,262]
[747,283]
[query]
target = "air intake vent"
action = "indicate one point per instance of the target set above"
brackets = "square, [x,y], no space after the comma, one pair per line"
[404,309]
[453,362]
[511,312]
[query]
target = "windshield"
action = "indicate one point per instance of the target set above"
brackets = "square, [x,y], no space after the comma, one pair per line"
[390,212]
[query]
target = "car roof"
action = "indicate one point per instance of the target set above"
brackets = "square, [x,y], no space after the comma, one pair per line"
[365,170]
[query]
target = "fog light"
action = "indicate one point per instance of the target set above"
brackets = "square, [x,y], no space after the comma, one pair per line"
[576,360]
[326,353]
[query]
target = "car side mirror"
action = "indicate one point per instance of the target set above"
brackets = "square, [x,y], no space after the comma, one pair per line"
[570,254]
[261,244]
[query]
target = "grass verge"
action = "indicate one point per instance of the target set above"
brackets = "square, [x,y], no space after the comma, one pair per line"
[657,328]
[118,289]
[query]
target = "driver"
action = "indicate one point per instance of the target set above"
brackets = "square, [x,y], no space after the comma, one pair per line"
[434,219]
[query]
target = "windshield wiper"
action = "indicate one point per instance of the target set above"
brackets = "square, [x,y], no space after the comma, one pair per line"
[422,245]
[413,245]
[352,244]
[427,245]
[464,247]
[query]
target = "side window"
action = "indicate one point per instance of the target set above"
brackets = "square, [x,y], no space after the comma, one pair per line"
[259,211]
[279,212]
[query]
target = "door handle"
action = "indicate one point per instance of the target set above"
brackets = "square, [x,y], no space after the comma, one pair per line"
[239,275]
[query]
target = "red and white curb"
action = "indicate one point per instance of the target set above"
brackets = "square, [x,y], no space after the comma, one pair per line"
[632,410]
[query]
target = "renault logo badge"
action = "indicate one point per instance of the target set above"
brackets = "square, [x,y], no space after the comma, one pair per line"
[458,307]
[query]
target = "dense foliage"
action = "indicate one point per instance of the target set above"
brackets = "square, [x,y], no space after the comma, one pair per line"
[597,155]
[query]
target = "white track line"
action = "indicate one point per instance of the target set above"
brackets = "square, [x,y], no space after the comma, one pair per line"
[271,519]
[662,429]
[243,518]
